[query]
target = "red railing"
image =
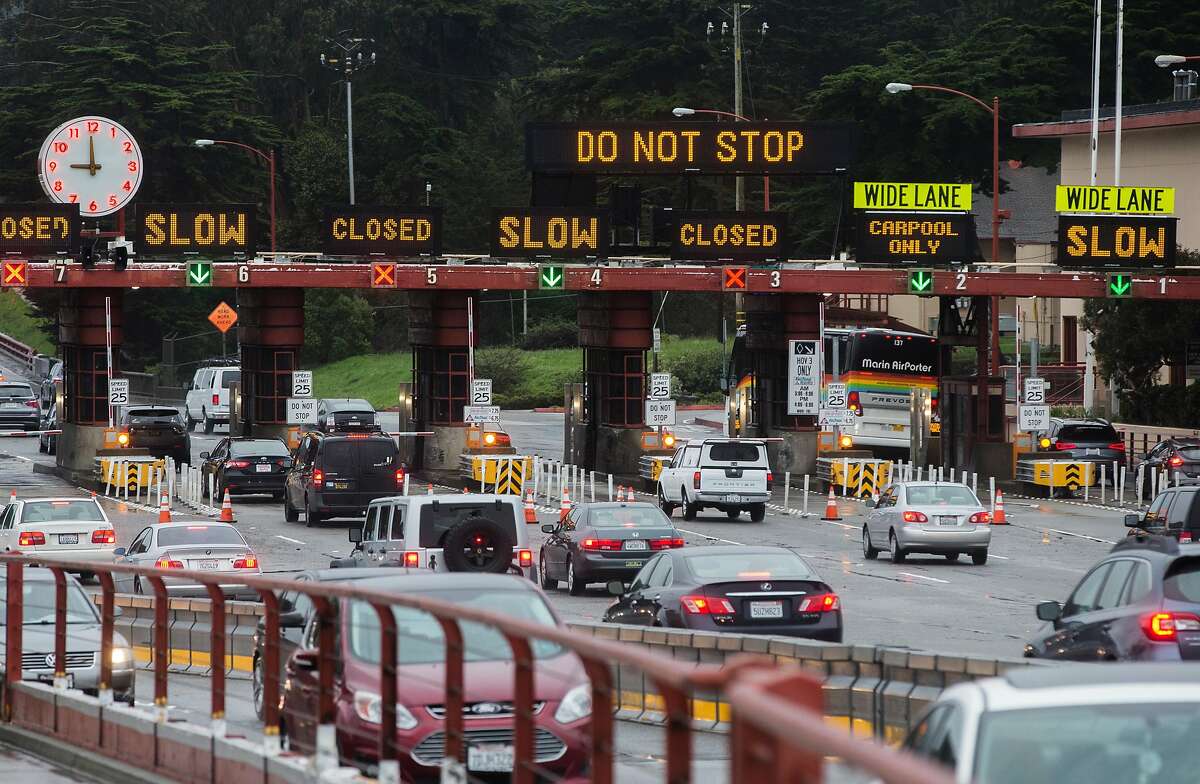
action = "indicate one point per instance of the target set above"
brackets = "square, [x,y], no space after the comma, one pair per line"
[17,350]
[778,733]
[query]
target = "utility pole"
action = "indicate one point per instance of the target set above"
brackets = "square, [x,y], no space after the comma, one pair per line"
[346,55]
[739,193]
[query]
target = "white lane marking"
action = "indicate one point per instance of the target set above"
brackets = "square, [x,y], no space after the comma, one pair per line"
[923,577]
[18,457]
[1001,557]
[843,525]
[288,539]
[1082,536]
[714,538]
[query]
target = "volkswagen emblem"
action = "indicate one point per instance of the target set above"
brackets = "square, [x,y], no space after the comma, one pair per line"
[49,659]
[486,708]
[764,586]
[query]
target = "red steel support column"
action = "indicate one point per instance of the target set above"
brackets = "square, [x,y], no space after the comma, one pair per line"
[801,317]
[440,342]
[14,576]
[270,673]
[107,616]
[455,747]
[389,759]
[600,674]
[216,659]
[525,763]
[161,653]
[82,334]
[271,334]
[326,746]
[60,627]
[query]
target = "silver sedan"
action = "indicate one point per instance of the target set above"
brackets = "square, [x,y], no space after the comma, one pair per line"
[942,518]
[203,546]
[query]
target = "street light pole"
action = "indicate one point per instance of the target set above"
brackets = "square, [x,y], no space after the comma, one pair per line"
[348,59]
[269,157]
[739,192]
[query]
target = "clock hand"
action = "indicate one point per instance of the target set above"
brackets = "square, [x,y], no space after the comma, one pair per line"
[91,165]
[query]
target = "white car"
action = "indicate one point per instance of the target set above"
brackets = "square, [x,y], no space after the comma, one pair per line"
[729,474]
[940,518]
[1082,724]
[69,528]
[208,396]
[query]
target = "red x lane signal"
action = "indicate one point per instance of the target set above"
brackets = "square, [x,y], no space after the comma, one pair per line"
[14,273]
[735,278]
[383,276]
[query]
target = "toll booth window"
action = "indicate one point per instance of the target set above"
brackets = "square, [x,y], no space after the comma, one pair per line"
[268,382]
[442,383]
[620,378]
[85,385]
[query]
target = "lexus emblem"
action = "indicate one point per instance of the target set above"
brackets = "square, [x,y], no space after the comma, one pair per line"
[764,586]
[634,534]
[49,659]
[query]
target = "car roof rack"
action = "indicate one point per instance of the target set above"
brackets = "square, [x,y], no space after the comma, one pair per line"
[1166,545]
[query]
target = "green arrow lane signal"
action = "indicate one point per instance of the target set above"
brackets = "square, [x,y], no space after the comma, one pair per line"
[551,276]
[920,281]
[1120,285]
[199,273]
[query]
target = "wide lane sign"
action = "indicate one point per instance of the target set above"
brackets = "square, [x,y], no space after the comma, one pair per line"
[915,238]
[391,231]
[729,235]
[1132,241]
[1114,199]
[945,196]
[550,231]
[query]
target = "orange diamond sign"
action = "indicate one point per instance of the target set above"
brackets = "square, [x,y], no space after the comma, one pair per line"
[223,317]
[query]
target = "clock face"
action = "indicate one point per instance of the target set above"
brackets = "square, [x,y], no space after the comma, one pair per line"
[93,162]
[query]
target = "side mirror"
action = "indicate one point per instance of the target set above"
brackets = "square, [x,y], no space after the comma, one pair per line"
[549,528]
[869,503]
[1133,521]
[293,619]
[204,455]
[616,588]
[119,551]
[1049,611]
[305,659]
[355,535]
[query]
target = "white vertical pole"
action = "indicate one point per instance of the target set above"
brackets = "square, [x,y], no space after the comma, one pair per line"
[787,486]
[806,495]
[1095,90]
[406,478]
[975,483]
[1103,483]
[1117,103]
[845,475]
[1086,486]
[483,466]
[212,488]
[592,483]
[1121,488]
[992,491]
[951,473]
[610,487]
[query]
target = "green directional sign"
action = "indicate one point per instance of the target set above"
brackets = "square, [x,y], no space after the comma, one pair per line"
[551,276]
[1120,285]
[920,282]
[199,273]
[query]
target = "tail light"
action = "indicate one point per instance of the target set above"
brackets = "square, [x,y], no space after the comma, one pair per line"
[31,403]
[1175,461]
[665,544]
[216,399]
[167,563]
[1165,626]
[31,538]
[695,480]
[770,478]
[318,478]
[524,558]
[601,544]
[399,478]
[1185,536]
[933,408]
[1117,446]
[854,403]
[412,558]
[1063,446]
[246,562]
[705,605]
[238,464]
[104,536]
[819,602]
[981,517]
[915,517]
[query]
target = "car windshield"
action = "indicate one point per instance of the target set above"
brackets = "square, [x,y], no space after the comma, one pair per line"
[84,509]
[199,534]
[420,634]
[37,603]
[941,495]
[269,447]
[749,566]
[1149,743]
[1182,581]
[155,415]
[628,517]
[734,453]
[1090,434]
[15,391]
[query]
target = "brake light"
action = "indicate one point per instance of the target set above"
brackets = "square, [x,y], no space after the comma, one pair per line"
[318,478]
[1062,446]
[1185,537]
[665,544]
[167,563]
[704,605]
[854,403]
[1165,626]
[31,538]
[981,517]
[915,517]
[820,602]
[412,558]
[601,544]
[770,479]
[399,478]
[238,464]
[216,399]
[1175,461]
[104,536]
[1117,446]
[696,480]
[31,403]
[246,562]
[524,558]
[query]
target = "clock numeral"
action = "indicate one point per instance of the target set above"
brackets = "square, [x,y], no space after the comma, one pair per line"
[93,206]
[112,131]
[133,166]
[57,186]
[93,126]
[127,186]
[128,147]
[72,197]
[61,146]
[52,166]
[72,133]
[112,200]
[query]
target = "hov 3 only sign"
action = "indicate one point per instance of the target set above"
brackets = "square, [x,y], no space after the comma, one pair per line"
[804,378]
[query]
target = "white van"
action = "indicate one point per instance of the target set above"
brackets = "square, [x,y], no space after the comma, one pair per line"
[208,396]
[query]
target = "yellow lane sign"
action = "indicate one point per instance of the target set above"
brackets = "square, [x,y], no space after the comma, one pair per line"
[911,196]
[1113,199]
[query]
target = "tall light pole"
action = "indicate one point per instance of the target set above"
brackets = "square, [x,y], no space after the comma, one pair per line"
[736,13]
[347,56]
[900,87]
[683,111]
[268,156]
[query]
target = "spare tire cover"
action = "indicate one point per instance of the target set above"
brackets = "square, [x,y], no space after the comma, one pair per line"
[478,544]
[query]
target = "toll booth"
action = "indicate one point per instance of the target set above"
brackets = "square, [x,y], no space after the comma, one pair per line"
[972,431]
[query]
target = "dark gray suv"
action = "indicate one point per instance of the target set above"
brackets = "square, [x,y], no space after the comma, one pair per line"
[1088,440]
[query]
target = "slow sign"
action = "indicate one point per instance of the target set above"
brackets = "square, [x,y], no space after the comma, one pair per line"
[168,229]
[683,147]
[915,237]
[33,229]
[733,235]
[549,231]
[1115,241]
[360,231]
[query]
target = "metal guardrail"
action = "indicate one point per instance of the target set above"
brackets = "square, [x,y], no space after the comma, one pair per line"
[778,733]
[18,350]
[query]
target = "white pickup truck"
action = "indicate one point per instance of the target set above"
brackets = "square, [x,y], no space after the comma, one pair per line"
[730,474]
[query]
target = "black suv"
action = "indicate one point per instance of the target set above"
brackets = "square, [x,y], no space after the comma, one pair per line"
[338,474]
[343,414]
[1140,603]
[158,429]
[1174,513]
[1089,440]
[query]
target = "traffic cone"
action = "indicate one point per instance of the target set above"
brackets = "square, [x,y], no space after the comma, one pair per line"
[1045,536]
[530,512]
[12,495]
[227,508]
[565,508]
[164,509]
[998,516]
[621,493]
[831,508]
[430,490]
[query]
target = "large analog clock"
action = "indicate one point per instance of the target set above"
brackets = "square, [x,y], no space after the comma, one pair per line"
[93,162]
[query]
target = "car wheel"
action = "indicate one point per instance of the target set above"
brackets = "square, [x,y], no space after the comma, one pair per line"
[311,516]
[689,509]
[896,550]
[733,514]
[52,445]
[980,558]
[952,557]
[758,513]
[869,550]
[666,506]
[191,423]
[256,687]
[544,574]
[574,585]
[290,513]
[137,586]
[208,423]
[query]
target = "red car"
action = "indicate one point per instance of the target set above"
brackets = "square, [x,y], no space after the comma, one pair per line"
[562,692]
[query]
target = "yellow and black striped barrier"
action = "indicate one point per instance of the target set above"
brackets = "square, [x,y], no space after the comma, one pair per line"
[1070,475]
[862,477]
[500,474]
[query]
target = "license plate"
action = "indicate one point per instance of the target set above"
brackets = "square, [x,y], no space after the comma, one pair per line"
[208,564]
[263,468]
[947,521]
[1091,451]
[68,538]
[732,499]
[636,544]
[766,609]
[635,564]
[490,759]
[340,485]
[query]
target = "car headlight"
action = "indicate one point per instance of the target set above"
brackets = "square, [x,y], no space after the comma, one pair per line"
[369,708]
[120,657]
[576,705]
